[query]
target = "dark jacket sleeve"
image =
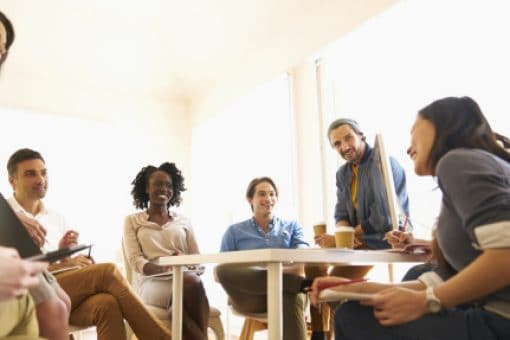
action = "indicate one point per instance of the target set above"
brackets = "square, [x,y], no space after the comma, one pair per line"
[340,207]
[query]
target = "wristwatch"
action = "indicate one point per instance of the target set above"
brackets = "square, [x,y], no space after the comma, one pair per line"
[433,302]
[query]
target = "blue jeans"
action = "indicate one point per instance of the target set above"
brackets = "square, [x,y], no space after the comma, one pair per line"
[353,321]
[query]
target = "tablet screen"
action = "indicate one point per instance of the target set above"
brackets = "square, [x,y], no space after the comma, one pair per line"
[56,255]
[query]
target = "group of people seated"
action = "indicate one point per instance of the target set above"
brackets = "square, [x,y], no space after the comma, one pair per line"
[463,294]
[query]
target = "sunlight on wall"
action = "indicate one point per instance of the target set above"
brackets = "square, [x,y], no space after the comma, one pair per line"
[251,138]
[416,52]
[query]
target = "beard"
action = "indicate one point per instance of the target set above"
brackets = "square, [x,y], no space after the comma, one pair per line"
[352,155]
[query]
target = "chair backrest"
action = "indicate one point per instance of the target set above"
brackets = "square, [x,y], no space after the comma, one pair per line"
[214,314]
[127,267]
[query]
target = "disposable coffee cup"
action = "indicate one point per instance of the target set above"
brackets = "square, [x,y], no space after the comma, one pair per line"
[319,229]
[344,237]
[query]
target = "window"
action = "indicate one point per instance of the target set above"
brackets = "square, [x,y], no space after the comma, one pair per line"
[417,51]
[252,137]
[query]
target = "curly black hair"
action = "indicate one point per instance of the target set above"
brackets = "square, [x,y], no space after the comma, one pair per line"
[140,196]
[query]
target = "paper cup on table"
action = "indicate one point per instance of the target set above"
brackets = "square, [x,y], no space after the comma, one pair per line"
[319,229]
[344,237]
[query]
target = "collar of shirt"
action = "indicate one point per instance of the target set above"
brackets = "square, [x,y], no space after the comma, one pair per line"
[141,220]
[269,226]
[366,155]
[19,209]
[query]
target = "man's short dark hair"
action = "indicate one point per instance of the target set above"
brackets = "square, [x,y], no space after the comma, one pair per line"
[20,156]
[250,191]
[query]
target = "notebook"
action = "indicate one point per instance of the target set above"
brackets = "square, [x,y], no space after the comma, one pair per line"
[330,295]
[199,270]
[399,221]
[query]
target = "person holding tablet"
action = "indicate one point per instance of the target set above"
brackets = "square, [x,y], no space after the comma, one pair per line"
[92,294]
[158,231]
[468,295]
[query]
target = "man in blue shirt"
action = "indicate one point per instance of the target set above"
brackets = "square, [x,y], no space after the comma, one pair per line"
[246,285]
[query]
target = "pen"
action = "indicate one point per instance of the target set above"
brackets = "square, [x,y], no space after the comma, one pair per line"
[336,284]
[404,225]
[386,238]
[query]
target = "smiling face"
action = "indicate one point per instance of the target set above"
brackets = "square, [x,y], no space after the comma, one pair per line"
[347,143]
[264,199]
[160,188]
[30,180]
[423,134]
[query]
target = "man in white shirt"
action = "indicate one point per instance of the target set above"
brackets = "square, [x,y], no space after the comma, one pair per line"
[99,295]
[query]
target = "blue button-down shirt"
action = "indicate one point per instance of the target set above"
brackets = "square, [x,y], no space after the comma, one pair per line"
[248,235]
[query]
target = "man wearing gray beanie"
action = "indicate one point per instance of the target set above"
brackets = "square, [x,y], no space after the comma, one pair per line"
[356,191]
[358,205]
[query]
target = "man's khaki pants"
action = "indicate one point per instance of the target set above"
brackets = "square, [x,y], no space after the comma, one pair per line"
[102,297]
[18,320]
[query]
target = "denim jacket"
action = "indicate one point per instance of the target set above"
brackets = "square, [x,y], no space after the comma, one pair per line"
[372,212]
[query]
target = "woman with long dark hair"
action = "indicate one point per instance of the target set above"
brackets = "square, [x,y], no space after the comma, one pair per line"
[468,296]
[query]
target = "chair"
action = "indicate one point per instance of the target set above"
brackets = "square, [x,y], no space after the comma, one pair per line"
[215,323]
[253,322]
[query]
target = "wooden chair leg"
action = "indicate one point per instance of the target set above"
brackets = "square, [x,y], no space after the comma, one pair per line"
[250,326]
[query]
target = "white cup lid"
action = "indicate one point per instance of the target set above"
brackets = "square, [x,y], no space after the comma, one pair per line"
[344,229]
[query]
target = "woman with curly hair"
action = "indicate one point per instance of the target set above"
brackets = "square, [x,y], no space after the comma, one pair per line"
[157,231]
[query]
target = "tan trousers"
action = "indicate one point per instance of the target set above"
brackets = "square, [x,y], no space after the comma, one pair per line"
[101,296]
[18,319]
[320,318]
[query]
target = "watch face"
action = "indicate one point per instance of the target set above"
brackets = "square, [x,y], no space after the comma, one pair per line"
[433,303]
[434,306]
